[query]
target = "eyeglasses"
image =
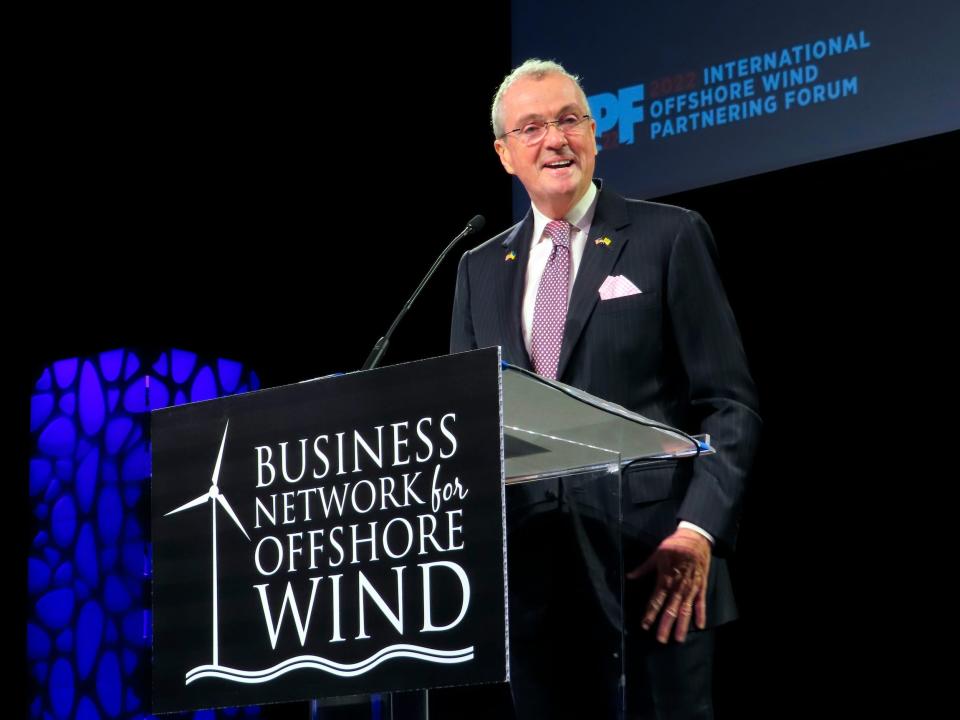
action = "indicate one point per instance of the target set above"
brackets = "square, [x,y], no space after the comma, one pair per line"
[536,130]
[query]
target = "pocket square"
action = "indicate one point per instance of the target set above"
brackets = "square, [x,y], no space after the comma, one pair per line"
[616,286]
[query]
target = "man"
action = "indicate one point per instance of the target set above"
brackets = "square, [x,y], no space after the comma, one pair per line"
[622,299]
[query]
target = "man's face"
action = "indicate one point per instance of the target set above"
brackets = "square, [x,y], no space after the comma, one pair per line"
[557,170]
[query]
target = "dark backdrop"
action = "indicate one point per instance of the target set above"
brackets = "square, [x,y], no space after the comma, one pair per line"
[272,189]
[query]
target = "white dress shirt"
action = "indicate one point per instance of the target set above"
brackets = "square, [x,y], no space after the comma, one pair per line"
[580,218]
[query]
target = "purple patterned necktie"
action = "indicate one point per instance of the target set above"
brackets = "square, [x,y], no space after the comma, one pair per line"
[550,310]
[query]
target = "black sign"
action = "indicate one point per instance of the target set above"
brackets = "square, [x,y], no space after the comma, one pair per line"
[337,537]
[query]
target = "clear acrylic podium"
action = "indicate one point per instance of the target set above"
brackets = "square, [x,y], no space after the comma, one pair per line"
[564,452]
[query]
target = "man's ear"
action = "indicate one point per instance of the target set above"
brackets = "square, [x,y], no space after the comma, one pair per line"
[503,152]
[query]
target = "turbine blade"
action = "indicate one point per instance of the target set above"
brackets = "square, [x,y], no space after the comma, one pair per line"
[226,506]
[193,503]
[216,469]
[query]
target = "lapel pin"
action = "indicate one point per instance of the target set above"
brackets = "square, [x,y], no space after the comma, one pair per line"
[603,241]
[511,256]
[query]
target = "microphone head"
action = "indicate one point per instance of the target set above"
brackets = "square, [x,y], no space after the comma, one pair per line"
[476,223]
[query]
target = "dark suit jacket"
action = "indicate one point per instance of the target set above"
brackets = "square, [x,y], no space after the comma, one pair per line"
[672,353]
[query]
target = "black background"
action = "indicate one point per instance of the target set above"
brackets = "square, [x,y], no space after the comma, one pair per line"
[271,188]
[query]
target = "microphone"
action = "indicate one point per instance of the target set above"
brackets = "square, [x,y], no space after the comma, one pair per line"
[373,359]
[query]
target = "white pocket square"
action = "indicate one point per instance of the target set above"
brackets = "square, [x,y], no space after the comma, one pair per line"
[616,286]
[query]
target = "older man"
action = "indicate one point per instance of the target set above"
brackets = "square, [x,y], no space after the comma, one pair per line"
[622,298]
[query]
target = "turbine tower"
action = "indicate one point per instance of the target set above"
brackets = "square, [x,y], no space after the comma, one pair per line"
[214,496]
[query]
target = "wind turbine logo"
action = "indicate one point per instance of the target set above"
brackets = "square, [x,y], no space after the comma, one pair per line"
[214,496]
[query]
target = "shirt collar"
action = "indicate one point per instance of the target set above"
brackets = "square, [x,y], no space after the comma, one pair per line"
[580,215]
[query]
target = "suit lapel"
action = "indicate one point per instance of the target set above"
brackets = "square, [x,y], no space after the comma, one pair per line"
[510,295]
[609,220]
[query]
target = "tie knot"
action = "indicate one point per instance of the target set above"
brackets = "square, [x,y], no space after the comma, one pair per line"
[559,232]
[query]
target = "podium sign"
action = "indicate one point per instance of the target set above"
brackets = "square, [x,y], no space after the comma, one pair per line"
[339,536]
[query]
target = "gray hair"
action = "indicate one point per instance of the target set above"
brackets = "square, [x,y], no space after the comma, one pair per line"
[537,69]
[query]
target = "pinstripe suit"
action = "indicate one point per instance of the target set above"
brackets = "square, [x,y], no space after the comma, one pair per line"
[672,353]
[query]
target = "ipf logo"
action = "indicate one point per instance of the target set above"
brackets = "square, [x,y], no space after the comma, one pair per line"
[621,111]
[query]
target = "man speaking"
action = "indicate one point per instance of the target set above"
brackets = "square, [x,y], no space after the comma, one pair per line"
[622,299]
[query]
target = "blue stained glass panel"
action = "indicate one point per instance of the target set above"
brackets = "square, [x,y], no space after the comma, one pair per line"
[65,371]
[136,465]
[64,575]
[64,521]
[135,397]
[109,515]
[40,471]
[87,480]
[58,438]
[117,432]
[229,371]
[92,403]
[54,488]
[40,408]
[133,364]
[38,576]
[87,710]
[65,641]
[116,596]
[204,386]
[109,690]
[110,364]
[162,366]
[159,395]
[130,662]
[68,404]
[89,634]
[85,555]
[61,688]
[55,608]
[38,642]
[131,495]
[183,363]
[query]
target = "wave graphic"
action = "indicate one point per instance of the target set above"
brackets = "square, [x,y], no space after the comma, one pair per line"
[314,662]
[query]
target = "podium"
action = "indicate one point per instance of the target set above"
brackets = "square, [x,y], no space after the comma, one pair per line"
[448,522]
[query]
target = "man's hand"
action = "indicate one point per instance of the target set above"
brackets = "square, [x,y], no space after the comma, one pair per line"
[682,563]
